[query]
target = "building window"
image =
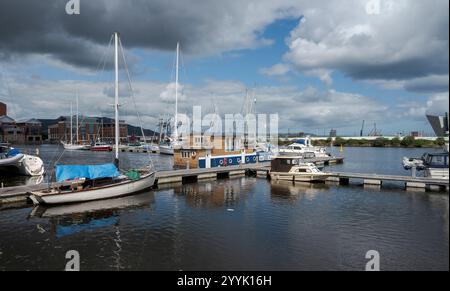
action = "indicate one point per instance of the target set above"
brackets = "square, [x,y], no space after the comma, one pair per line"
[186,154]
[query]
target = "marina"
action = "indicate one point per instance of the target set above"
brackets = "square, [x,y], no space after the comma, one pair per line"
[261,170]
[240,136]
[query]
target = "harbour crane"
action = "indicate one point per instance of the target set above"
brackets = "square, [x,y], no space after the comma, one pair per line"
[362,128]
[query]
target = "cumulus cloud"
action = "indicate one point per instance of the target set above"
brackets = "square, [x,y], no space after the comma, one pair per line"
[373,40]
[302,109]
[203,27]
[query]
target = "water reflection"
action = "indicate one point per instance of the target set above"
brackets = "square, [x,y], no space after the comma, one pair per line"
[290,191]
[215,194]
[70,219]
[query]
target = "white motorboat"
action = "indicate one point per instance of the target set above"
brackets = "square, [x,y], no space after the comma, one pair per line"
[15,163]
[433,165]
[303,146]
[294,169]
[97,182]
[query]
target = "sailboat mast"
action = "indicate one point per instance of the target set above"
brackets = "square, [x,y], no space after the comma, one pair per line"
[71,123]
[78,113]
[176,92]
[116,103]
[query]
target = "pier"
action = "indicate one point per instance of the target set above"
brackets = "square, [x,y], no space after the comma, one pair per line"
[260,170]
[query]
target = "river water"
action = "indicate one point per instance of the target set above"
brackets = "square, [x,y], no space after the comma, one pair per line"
[235,224]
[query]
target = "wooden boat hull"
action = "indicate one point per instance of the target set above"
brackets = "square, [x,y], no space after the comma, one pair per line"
[111,191]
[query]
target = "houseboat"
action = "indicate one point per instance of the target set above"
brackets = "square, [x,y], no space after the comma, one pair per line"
[199,151]
[295,169]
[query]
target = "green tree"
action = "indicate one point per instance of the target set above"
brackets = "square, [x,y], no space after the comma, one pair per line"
[395,142]
[380,142]
[408,141]
[440,141]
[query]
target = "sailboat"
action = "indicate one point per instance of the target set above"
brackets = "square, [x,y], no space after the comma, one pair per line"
[166,147]
[71,146]
[97,182]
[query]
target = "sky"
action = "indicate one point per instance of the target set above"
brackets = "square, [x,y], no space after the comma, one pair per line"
[321,65]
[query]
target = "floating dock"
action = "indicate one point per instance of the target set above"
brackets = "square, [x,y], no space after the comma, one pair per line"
[261,170]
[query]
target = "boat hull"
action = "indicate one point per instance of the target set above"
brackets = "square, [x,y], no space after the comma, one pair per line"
[311,178]
[74,147]
[24,165]
[112,191]
[102,149]
[166,150]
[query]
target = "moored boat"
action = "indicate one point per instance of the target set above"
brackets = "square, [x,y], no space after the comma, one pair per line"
[294,169]
[97,182]
[13,162]
[101,147]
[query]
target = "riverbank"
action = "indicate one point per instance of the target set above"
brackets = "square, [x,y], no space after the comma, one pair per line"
[407,142]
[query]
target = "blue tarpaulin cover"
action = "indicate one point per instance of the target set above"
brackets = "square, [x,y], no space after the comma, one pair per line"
[12,152]
[71,172]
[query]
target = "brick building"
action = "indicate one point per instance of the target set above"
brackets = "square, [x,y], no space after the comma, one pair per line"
[90,129]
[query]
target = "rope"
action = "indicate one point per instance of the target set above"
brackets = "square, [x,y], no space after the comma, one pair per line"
[134,101]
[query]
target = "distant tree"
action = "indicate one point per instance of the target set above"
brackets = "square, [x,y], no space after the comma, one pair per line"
[380,142]
[440,141]
[408,141]
[395,142]
[339,141]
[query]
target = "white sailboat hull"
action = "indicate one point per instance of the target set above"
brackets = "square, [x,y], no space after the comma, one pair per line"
[166,150]
[75,147]
[111,191]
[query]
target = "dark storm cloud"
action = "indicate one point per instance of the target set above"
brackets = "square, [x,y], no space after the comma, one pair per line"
[202,26]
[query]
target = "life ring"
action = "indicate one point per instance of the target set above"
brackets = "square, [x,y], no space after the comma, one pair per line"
[254,158]
[247,159]
[230,161]
[221,162]
[194,155]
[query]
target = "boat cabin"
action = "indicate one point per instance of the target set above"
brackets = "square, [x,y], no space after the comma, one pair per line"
[283,164]
[436,160]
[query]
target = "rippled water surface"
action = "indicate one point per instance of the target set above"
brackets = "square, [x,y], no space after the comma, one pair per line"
[237,224]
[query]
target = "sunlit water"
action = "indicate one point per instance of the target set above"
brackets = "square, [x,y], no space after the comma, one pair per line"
[237,224]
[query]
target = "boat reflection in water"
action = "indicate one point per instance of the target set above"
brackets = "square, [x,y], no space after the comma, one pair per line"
[215,194]
[287,190]
[74,218]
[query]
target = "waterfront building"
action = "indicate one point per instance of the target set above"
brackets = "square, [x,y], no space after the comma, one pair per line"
[91,129]
[13,132]
[199,151]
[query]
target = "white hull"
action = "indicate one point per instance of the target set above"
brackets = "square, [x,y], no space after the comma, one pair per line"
[21,164]
[166,150]
[111,191]
[317,177]
[75,147]
[437,173]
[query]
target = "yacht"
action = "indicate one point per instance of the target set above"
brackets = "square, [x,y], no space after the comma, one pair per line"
[303,146]
[433,165]
[294,169]
[83,183]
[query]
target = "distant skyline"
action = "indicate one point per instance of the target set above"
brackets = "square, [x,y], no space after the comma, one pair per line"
[321,65]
